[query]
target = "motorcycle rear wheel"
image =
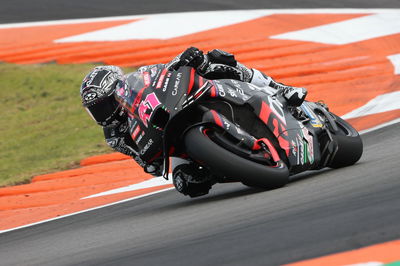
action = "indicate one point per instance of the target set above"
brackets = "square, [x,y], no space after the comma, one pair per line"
[201,148]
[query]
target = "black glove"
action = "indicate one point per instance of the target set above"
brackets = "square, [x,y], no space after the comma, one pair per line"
[190,57]
[217,56]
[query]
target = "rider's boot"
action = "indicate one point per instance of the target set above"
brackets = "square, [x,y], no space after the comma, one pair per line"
[294,95]
[191,180]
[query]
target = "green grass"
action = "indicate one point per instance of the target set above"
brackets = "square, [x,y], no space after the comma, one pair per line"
[43,126]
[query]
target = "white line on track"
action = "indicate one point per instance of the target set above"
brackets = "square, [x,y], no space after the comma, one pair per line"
[154,182]
[266,11]
[88,210]
[382,103]
[348,31]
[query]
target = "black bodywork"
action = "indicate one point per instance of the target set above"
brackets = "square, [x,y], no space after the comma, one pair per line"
[168,103]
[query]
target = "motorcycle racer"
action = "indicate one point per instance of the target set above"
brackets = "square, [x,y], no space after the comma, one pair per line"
[101,86]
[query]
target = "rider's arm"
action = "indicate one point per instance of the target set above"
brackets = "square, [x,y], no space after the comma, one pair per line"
[218,64]
[224,65]
[119,139]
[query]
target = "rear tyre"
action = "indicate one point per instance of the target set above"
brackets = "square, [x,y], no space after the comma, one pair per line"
[201,148]
[349,143]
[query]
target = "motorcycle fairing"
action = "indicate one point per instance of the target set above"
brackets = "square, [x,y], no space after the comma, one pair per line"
[295,140]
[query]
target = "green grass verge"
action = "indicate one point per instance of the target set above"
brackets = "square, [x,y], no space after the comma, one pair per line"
[43,126]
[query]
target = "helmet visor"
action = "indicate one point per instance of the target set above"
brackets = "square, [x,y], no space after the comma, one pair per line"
[102,112]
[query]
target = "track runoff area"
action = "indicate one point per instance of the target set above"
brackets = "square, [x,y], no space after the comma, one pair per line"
[350,58]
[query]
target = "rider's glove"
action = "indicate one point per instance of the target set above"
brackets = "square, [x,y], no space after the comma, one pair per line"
[190,57]
[217,56]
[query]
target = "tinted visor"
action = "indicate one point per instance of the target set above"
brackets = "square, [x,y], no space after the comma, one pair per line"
[104,110]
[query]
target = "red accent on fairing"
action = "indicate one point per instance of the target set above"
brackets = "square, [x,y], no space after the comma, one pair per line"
[161,78]
[275,123]
[146,79]
[137,99]
[256,146]
[278,127]
[274,153]
[198,94]
[213,92]
[191,82]
[135,132]
[217,119]
[282,141]
[201,81]
[265,112]
[158,154]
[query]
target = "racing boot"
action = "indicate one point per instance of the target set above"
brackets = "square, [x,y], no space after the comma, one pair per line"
[294,95]
[190,179]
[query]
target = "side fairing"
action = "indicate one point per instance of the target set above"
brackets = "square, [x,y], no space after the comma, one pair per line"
[296,141]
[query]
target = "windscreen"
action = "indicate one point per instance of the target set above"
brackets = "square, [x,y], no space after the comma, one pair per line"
[127,90]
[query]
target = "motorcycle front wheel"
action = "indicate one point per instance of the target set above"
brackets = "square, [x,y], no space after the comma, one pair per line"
[201,147]
[350,146]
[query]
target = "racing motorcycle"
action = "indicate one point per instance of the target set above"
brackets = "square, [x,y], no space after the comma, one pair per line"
[231,131]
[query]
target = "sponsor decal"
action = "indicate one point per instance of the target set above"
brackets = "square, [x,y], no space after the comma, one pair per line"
[232,93]
[227,125]
[90,96]
[294,148]
[147,146]
[161,78]
[297,149]
[306,145]
[123,127]
[146,79]
[140,137]
[147,107]
[220,90]
[309,145]
[135,132]
[176,85]
[315,122]
[168,76]
[301,145]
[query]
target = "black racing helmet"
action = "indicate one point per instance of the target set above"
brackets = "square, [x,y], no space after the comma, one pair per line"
[97,93]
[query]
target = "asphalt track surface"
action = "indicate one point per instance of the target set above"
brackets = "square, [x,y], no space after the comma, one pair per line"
[318,213]
[38,10]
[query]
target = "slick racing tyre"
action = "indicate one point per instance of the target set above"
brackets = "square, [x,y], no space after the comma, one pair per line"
[350,146]
[201,146]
